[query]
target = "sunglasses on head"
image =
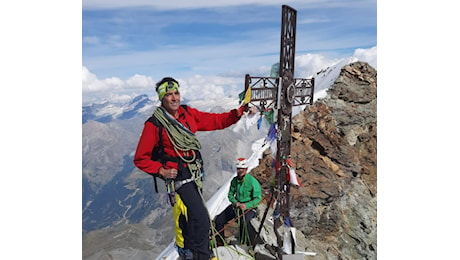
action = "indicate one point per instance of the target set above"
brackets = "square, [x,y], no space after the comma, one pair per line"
[168,82]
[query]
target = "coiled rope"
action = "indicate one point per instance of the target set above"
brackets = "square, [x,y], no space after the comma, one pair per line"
[181,138]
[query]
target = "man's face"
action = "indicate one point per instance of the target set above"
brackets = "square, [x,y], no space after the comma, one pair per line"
[171,101]
[241,172]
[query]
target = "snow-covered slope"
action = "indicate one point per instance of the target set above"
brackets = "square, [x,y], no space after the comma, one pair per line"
[327,77]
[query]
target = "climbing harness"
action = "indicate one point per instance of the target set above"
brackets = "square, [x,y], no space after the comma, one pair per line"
[184,142]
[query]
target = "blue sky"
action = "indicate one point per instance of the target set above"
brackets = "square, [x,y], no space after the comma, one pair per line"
[212,41]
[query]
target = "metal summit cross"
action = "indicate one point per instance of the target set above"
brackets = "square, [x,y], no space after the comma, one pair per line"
[281,92]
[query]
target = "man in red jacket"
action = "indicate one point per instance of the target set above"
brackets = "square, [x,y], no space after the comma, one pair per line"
[173,127]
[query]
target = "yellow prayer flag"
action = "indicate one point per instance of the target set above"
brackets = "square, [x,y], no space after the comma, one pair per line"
[247,96]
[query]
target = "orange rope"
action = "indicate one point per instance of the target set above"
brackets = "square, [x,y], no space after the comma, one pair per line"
[235,219]
[239,216]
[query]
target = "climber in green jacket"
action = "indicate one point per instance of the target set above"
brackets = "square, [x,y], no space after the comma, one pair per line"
[244,195]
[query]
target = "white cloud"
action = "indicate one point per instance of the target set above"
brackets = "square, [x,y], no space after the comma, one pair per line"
[91,82]
[199,87]
[140,81]
[113,88]
[367,55]
[309,64]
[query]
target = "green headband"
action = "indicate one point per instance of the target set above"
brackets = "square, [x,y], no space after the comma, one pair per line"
[165,86]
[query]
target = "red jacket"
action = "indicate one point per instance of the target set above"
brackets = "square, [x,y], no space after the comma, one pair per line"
[191,118]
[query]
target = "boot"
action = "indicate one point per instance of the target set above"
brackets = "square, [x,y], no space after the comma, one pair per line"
[185,254]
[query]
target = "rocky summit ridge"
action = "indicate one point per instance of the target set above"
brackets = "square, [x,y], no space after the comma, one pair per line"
[334,148]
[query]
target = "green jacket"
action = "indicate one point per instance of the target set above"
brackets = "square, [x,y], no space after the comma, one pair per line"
[245,191]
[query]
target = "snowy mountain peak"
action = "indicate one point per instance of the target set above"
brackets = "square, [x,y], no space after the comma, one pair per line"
[107,112]
[326,77]
[139,99]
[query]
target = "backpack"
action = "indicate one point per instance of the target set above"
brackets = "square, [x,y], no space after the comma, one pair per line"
[158,153]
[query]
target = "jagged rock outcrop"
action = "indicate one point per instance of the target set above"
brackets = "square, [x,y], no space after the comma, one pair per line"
[334,148]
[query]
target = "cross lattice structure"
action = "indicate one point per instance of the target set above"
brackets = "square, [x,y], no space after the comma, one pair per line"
[281,92]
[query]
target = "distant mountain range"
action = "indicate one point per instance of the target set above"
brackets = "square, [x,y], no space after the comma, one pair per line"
[107,112]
